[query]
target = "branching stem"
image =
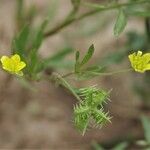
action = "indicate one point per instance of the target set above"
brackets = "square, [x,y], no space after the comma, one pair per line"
[69,20]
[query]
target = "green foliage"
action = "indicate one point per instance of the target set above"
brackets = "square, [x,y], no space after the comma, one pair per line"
[115,57]
[121,146]
[146,126]
[91,108]
[61,81]
[97,146]
[57,60]
[88,55]
[85,59]
[83,72]
[19,43]
[140,13]
[120,23]
[37,41]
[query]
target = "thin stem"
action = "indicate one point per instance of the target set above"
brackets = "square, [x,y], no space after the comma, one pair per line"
[112,73]
[64,83]
[75,18]
[100,74]
[68,74]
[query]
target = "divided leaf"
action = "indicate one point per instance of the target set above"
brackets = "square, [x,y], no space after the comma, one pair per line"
[90,108]
[85,59]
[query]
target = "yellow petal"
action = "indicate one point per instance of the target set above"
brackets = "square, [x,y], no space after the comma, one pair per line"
[147,67]
[4,59]
[146,57]
[15,58]
[6,63]
[20,66]
[13,64]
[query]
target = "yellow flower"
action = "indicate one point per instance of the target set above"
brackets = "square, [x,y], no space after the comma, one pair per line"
[140,62]
[13,64]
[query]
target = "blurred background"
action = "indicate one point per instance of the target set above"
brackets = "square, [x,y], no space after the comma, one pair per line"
[41,116]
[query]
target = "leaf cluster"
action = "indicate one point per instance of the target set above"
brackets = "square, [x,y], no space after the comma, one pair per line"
[80,68]
[90,110]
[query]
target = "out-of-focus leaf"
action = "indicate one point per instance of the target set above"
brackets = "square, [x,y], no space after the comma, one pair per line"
[97,146]
[146,126]
[57,59]
[121,146]
[120,23]
[140,13]
[136,41]
[19,42]
[62,53]
[113,57]
[39,36]
[33,61]
[88,55]
[62,64]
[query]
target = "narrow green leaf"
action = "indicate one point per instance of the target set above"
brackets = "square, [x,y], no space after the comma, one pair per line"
[39,36]
[77,63]
[19,42]
[120,23]
[88,55]
[121,146]
[146,126]
[97,146]
[33,61]
[58,58]
[62,53]
[77,56]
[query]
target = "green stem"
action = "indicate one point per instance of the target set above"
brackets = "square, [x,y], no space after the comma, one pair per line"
[100,74]
[64,83]
[112,73]
[75,18]
[68,74]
